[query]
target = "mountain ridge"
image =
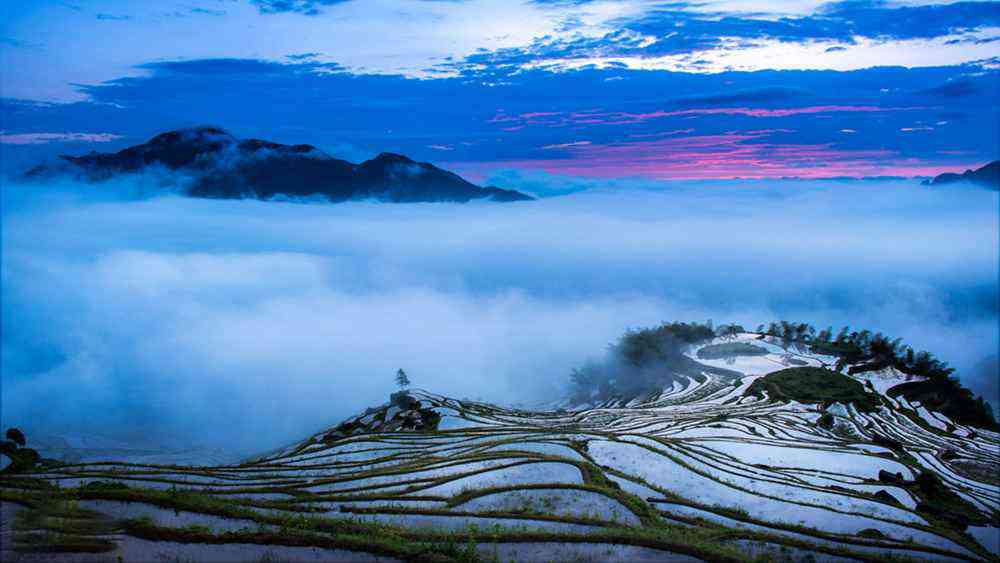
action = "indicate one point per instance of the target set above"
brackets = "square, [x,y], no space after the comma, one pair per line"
[212,163]
[987,176]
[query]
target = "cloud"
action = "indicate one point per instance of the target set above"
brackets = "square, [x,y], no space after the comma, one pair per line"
[247,67]
[173,318]
[306,7]
[752,95]
[566,145]
[691,30]
[113,17]
[735,154]
[561,119]
[14,42]
[207,11]
[302,56]
[959,88]
[45,138]
[487,122]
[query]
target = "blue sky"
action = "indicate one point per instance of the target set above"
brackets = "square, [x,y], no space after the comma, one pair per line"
[597,89]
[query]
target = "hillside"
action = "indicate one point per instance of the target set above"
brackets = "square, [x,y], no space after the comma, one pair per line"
[987,176]
[209,162]
[751,455]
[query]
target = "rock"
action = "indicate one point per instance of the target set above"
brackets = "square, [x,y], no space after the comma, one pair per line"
[886,477]
[871,533]
[887,442]
[886,496]
[825,421]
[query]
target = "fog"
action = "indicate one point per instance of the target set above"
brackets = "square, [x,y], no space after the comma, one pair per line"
[246,325]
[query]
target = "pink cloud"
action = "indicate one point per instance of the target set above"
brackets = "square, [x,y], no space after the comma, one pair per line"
[729,155]
[43,138]
[660,134]
[560,119]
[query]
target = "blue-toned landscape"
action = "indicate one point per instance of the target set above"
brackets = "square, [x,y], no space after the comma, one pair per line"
[474,280]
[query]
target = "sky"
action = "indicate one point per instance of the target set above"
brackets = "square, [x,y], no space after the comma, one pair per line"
[503,90]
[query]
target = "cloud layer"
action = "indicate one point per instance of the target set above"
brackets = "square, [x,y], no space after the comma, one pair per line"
[618,122]
[247,324]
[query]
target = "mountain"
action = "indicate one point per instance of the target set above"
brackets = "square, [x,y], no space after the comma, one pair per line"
[209,162]
[759,448]
[987,176]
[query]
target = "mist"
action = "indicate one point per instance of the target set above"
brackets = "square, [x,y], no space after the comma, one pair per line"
[245,325]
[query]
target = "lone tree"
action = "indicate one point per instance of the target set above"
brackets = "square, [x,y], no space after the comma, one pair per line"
[401,380]
[21,458]
[16,435]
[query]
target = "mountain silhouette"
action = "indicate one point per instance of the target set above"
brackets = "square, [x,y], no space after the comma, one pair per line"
[987,176]
[211,163]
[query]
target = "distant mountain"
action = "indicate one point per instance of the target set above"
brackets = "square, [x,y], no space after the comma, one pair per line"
[212,163]
[987,176]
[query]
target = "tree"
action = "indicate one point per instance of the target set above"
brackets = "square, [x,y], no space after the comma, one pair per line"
[21,458]
[17,436]
[402,380]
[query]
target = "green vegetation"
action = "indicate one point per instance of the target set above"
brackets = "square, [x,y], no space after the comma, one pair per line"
[706,541]
[643,361]
[955,402]
[865,351]
[941,504]
[341,488]
[402,380]
[104,486]
[871,533]
[15,435]
[825,421]
[58,525]
[814,385]
[729,350]
[21,457]
[306,513]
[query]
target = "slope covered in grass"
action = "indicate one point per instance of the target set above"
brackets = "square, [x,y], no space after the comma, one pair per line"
[729,350]
[814,385]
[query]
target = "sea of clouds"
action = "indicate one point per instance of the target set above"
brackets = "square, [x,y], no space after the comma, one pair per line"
[247,325]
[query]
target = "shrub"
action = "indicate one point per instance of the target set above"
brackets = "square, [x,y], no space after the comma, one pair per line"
[825,421]
[813,385]
[16,436]
[951,399]
[642,362]
[21,458]
[104,486]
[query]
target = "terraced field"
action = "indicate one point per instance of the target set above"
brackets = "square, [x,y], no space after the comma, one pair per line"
[702,471]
